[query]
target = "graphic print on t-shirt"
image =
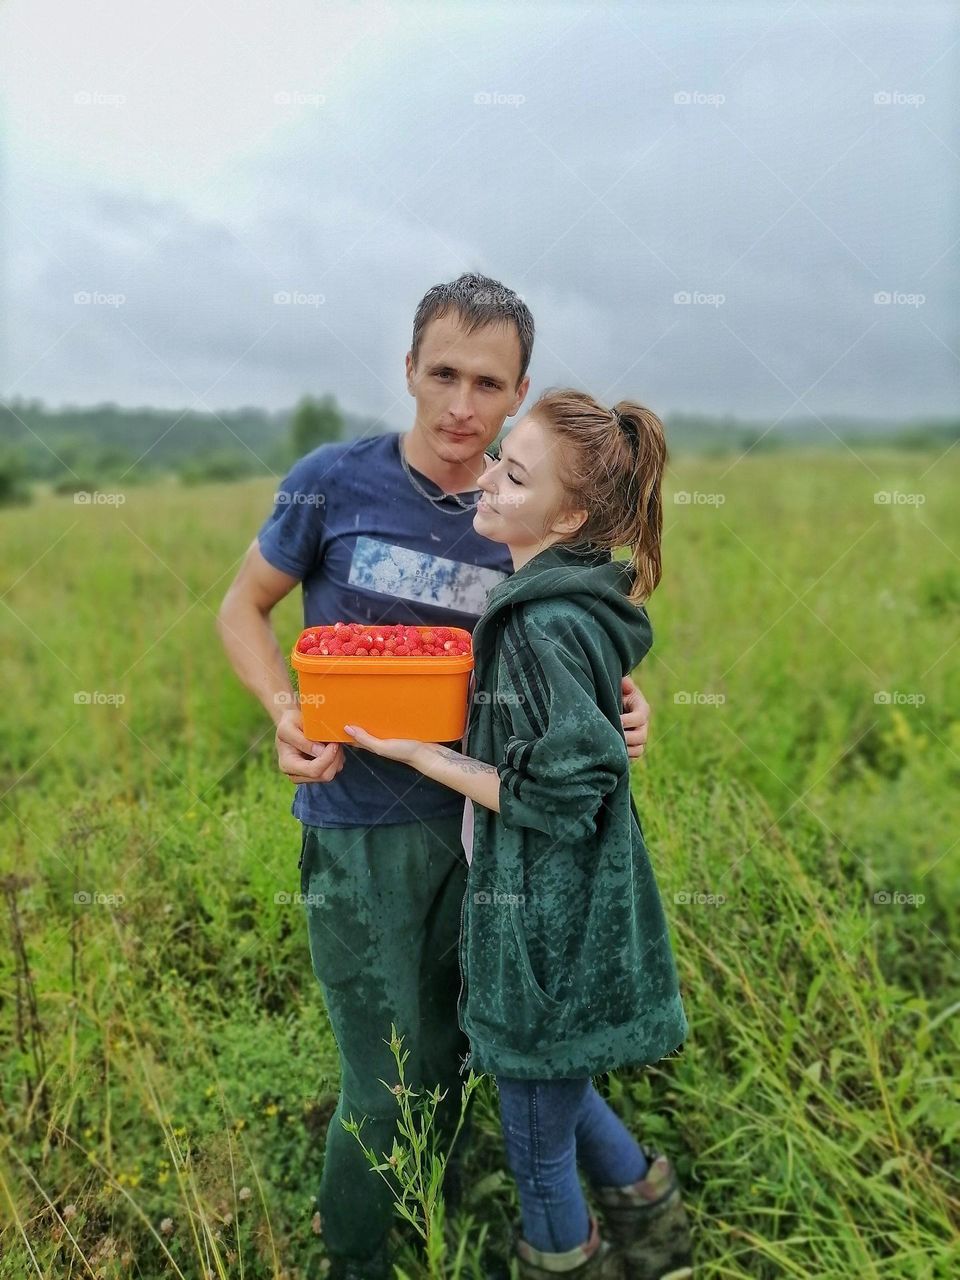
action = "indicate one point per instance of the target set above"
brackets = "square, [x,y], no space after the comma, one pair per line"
[416,575]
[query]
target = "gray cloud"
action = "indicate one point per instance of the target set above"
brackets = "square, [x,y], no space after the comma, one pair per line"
[599,197]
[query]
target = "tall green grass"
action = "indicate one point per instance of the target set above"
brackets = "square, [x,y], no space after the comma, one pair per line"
[168,1069]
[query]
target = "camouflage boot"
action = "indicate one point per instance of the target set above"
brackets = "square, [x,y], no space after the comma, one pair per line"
[595,1260]
[647,1223]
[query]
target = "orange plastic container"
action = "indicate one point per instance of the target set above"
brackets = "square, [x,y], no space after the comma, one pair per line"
[422,698]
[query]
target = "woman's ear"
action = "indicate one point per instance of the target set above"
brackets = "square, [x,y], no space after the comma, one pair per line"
[571,521]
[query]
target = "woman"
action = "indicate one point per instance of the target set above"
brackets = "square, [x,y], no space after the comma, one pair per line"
[565,952]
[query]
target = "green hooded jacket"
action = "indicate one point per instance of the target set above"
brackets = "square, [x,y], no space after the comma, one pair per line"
[565,952]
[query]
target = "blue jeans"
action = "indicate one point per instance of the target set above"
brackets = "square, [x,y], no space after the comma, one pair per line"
[550,1127]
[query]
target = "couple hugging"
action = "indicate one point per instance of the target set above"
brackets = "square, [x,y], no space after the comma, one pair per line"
[493,898]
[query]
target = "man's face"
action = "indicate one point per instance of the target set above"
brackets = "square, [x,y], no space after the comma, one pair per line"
[465,385]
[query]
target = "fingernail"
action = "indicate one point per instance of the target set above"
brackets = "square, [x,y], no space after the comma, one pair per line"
[317,747]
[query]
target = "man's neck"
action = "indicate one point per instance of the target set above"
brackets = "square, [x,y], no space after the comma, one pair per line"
[451,477]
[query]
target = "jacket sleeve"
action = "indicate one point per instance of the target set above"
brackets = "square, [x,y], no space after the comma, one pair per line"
[563,755]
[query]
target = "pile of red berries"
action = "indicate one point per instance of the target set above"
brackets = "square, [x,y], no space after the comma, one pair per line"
[353,639]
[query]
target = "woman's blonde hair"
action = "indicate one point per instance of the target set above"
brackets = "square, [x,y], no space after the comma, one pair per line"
[611,464]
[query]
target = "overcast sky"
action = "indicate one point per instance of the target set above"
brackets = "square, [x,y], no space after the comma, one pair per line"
[180,165]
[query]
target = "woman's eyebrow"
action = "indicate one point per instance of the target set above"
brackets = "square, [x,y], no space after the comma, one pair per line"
[514,462]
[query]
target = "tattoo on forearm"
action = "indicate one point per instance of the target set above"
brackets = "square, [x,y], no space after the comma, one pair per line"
[466,763]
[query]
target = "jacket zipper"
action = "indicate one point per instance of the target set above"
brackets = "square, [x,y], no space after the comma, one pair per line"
[466,1061]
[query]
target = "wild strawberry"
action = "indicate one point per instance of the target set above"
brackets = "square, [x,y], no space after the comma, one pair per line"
[387,640]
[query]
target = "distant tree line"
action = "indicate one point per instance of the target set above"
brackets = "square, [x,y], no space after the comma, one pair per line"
[73,449]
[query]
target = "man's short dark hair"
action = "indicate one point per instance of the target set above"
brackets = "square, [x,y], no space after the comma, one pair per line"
[479,301]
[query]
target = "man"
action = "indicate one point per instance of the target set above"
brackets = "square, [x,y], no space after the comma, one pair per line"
[380,530]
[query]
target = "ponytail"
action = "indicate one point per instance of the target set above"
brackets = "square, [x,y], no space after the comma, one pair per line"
[644,514]
[611,465]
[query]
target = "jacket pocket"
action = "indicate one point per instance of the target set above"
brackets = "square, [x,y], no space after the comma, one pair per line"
[545,1001]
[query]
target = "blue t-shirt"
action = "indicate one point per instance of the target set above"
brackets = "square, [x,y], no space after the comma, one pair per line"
[368,547]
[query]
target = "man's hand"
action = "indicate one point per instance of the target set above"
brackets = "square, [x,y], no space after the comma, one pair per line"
[635,718]
[299,758]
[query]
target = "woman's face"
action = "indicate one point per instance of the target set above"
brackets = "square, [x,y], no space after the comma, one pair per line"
[522,491]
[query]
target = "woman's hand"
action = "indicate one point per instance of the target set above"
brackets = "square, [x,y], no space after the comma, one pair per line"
[406,750]
[473,778]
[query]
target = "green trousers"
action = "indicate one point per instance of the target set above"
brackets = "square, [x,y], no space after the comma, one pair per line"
[383,907]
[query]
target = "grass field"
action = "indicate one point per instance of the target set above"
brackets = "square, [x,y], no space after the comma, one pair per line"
[168,1070]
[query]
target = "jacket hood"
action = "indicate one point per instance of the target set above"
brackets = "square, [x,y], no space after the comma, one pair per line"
[588,578]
